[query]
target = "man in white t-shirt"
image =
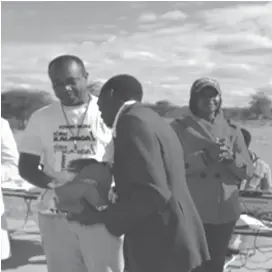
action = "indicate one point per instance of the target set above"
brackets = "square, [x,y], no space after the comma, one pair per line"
[64,131]
[9,171]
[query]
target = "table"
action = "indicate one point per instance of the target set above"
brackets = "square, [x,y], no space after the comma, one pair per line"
[256,204]
[27,196]
[255,222]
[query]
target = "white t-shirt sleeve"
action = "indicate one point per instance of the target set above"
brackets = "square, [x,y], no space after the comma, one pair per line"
[109,152]
[9,152]
[102,133]
[31,141]
[107,139]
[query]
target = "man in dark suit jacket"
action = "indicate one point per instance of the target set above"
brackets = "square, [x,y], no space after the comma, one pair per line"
[162,228]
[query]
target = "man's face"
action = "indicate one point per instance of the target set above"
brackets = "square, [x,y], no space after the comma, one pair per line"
[108,107]
[69,82]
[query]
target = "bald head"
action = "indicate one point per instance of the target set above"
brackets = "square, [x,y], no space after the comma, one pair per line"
[115,92]
[124,87]
[63,61]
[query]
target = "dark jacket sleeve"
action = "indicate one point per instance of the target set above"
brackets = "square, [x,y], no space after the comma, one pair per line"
[137,151]
[242,166]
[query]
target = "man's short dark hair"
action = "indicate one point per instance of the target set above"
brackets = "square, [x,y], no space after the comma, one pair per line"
[125,87]
[247,136]
[63,59]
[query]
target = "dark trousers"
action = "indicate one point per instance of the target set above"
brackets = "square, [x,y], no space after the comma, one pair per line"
[218,238]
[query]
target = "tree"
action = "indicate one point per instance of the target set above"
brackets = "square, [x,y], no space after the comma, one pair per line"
[260,104]
[168,110]
[19,104]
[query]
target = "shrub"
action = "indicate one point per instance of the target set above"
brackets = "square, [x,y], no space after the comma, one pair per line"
[19,104]
[260,105]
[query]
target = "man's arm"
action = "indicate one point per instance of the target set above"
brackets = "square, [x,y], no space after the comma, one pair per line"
[30,171]
[9,153]
[31,152]
[138,150]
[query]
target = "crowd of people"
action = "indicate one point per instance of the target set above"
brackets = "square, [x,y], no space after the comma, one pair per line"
[172,190]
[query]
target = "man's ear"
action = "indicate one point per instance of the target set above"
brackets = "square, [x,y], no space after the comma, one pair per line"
[111,93]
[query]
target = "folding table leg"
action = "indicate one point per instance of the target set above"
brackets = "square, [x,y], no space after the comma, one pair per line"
[28,210]
[22,228]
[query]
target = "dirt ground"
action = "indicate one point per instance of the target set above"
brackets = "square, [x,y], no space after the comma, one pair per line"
[28,255]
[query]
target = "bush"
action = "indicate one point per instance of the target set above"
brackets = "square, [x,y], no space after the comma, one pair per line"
[237,113]
[18,105]
[260,105]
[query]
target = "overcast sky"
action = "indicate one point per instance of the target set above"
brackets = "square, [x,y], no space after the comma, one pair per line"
[166,45]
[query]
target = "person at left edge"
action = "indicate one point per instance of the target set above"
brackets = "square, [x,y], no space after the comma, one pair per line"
[9,171]
[65,131]
[154,210]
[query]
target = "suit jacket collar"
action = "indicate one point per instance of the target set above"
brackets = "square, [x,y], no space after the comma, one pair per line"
[126,105]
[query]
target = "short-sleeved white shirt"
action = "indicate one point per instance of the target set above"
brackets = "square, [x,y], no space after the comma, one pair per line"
[51,137]
[48,135]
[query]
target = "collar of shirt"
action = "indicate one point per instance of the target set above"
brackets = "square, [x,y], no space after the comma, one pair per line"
[122,108]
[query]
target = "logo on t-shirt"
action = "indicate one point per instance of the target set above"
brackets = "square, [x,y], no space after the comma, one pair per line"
[68,146]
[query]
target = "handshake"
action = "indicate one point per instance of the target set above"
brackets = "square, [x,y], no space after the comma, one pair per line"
[220,152]
[86,180]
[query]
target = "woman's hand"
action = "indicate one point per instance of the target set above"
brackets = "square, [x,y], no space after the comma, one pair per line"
[220,152]
[213,153]
[226,154]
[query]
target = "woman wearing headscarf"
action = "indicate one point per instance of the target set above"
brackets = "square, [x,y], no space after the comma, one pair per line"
[216,161]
